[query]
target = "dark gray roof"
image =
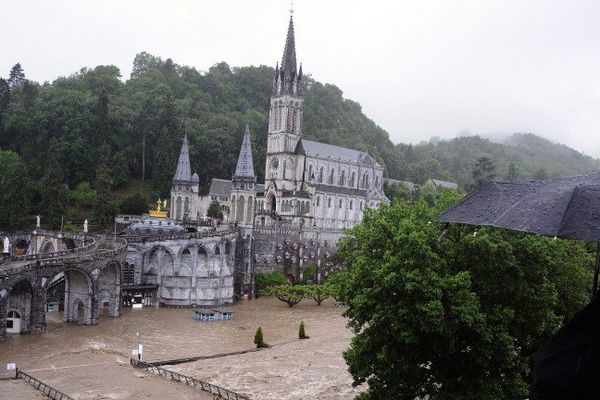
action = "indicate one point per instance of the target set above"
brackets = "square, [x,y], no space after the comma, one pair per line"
[341,190]
[567,207]
[222,187]
[184,171]
[323,150]
[245,165]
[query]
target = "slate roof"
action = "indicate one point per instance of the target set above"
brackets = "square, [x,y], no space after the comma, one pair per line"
[565,207]
[184,171]
[222,187]
[323,150]
[245,164]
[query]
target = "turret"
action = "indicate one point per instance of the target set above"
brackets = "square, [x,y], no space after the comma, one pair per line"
[243,185]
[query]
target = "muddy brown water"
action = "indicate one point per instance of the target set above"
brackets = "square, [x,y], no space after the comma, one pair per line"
[91,362]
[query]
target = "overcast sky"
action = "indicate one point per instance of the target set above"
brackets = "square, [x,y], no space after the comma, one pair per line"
[419,68]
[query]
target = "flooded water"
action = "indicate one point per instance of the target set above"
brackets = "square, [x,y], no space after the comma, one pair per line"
[92,362]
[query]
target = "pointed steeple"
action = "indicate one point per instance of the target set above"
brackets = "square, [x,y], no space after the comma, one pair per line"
[245,164]
[287,78]
[184,171]
[288,62]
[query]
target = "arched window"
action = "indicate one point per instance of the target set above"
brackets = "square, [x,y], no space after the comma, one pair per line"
[318,201]
[310,173]
[352,177]
[329,202]
[351,204]
[343,178]
[321,175]
[284,168]
[331,176]
[340,206]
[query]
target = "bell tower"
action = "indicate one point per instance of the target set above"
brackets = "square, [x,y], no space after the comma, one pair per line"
[285,118]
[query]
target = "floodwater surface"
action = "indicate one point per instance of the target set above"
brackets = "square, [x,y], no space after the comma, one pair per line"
[91,362]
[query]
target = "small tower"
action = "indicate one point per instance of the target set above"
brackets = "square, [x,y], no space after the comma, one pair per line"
[184,190]
[243,185]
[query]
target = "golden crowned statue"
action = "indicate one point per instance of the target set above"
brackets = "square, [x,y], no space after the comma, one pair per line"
[160,212]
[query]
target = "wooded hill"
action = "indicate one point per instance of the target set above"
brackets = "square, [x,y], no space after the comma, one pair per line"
[86,138]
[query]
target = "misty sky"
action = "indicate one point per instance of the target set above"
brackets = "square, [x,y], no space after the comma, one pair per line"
[419,68]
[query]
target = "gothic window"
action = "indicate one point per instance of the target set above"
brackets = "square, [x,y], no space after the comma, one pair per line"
[361,205]
[284,168]
[318,201]
[310,172]
[331,176]
[321,175]
[329,202]
[377,182]
[343,178]
[351,204]
[352,179]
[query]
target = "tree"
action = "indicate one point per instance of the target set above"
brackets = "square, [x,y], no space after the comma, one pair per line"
[483,171]
[452,319]
[16,76]
[291,295]
[540,174]
[319,293]
[214,210]
[301,332]
[54,199]
[104,209]
[14,205]
[513,172]
[258,339]
[134,204]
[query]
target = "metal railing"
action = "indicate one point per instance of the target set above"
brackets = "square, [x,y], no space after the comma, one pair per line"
[218,391]
[42,387]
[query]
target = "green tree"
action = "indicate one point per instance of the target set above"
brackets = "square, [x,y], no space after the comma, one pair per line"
[513,172]
[259,340]
[14,204]
[540,174]
[54,197]
[214,210]
[134,204]
[16,76]
[319,293]
[484,171]
[104,209]
[83,195]
[289,294]
[301,332]
[452,319]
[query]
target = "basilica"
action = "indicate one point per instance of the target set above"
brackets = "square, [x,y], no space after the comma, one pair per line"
[307,183]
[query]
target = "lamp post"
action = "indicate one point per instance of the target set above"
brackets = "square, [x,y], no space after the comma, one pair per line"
[139,349]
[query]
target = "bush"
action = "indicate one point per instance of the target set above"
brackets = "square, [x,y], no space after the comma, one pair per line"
[310,273]
[291,295]
[83,195]
[258,339]
[134,204]
[301,332]
[319,293]
[268,280]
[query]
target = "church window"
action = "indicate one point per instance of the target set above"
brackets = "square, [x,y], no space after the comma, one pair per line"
[343,178]
[352,179]
[318,201]
[284,168]
[310,172]
[331,176]
[321,175]
[329,202]
[340,203]
[351,204]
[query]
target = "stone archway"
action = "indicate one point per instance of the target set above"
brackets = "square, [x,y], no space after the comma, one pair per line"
[48,247]
[20,306]
[78,289]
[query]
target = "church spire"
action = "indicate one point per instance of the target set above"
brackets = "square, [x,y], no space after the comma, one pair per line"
[287,79]
[184,171]
[245,164]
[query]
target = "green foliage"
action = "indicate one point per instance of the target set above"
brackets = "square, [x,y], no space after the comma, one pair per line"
[301,332]
[319,293]
[134,204]
[457,318]
[83,195]
[265,281]
[105,209]
[214,210]
[54,199]
[14,204]
[259,340]
[310,273]
[289,294]
[484,171]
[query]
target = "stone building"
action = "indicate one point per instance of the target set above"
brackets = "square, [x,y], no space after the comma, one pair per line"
[306,182]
